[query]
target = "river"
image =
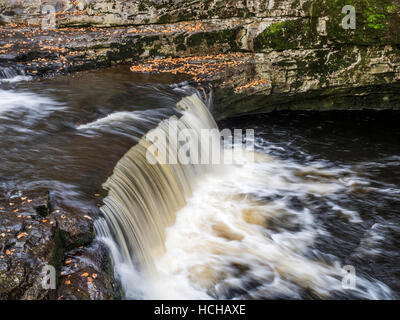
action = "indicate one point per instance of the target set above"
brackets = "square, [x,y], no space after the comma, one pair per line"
[322,193]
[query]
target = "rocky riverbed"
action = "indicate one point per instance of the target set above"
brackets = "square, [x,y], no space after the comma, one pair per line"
[35,232]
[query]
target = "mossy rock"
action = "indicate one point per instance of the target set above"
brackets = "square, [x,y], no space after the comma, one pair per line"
[290,34]
[377,23]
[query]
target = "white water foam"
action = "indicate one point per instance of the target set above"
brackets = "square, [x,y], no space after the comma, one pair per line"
[124,118]
[16,79]
[221,240]
[237,236]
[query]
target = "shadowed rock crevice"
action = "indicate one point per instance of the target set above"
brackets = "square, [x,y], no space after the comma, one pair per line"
[257,55]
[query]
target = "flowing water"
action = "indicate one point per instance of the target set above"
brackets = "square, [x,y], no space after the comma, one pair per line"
[319,192]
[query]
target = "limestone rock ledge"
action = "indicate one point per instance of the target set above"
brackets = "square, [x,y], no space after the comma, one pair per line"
[298,55]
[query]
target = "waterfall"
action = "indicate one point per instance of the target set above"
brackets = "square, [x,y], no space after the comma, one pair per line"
[203,230]
[144,195]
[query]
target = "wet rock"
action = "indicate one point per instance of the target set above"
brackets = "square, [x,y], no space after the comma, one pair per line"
[26,246]
[31,242]
[43,205]
[77,227]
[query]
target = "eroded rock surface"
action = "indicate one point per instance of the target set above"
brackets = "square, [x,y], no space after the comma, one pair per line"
[87,274]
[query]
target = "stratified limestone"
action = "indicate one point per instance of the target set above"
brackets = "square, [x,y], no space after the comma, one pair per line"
[298,55]
[87,274]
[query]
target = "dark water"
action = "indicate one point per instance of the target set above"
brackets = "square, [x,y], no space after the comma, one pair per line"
[41,141]
[49,139]
[368,144]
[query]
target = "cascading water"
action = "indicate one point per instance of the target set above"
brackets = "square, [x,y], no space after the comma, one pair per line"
[184,231]
[143,197]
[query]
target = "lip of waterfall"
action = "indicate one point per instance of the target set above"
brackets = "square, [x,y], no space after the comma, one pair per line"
[200,232]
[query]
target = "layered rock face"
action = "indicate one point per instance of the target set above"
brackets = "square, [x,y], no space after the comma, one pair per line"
[301,53]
